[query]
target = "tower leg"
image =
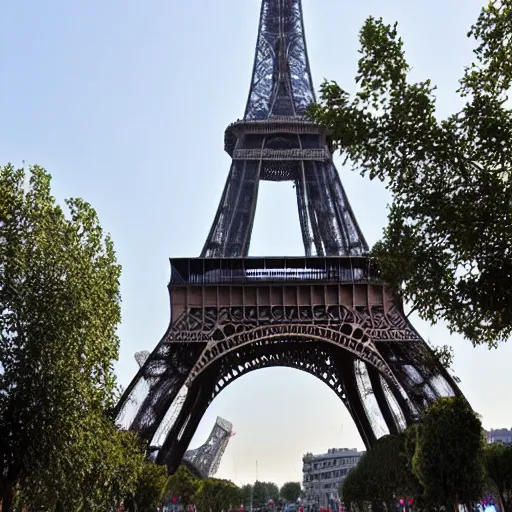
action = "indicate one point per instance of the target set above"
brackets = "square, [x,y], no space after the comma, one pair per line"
[183,430]
[346,369]
[322,208]
[335,229]
[381,400]
[231,230]
[308,221]
[164,374]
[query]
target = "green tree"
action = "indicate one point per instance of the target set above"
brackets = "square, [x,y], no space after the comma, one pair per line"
[290,491]
[217,495]
[109,476]
[110,471]
[272,491]
[447,246]
[232,495]
[246,493]
[151,486]
[59,310]
[350,491]
[183,484]
[449,456]
[263,492]
[498,464]
[382,474]
[260,496]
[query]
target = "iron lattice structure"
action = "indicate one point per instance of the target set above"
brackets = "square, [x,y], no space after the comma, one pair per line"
[206,459]
[328,314]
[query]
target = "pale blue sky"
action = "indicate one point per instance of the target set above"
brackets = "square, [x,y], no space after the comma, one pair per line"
[125,102]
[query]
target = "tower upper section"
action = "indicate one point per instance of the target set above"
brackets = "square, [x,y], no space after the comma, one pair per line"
[276,142]
[281,80]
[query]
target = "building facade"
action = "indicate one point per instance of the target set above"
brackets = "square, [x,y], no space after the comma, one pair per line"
[499,435]
[323,474]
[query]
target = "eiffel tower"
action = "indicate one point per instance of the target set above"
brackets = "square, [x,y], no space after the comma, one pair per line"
[328,313]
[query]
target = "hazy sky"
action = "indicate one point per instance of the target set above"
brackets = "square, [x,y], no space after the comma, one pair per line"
[125,102]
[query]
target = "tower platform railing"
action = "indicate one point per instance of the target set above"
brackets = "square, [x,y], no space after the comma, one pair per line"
[294,270]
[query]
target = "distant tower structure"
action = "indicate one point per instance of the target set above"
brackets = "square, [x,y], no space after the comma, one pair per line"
[141,357]
[205,460]
[328,313]
[207,457]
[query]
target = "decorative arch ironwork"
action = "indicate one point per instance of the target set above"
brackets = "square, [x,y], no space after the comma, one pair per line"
[332,364]
[348,336]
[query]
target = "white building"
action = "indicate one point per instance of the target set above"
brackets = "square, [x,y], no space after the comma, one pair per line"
[323,474]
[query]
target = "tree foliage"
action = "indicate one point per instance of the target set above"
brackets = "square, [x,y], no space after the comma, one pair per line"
[246,495]
[217,495]
[447,246]
[150,488]
[290,491]
[59,310]
[263,492]
[272,491]
[183,484]
[448,459]
[498,464]
[109,471]
[382,474]
[444,354]
[437,462]
[111,475]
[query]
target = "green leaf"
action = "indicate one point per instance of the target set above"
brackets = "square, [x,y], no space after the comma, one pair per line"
[447,247]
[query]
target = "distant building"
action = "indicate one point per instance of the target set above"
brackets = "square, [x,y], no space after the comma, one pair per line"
[499,435]
[323,474]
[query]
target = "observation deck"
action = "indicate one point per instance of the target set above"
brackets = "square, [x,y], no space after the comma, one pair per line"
[332,281]
[273,125]
[270,270]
